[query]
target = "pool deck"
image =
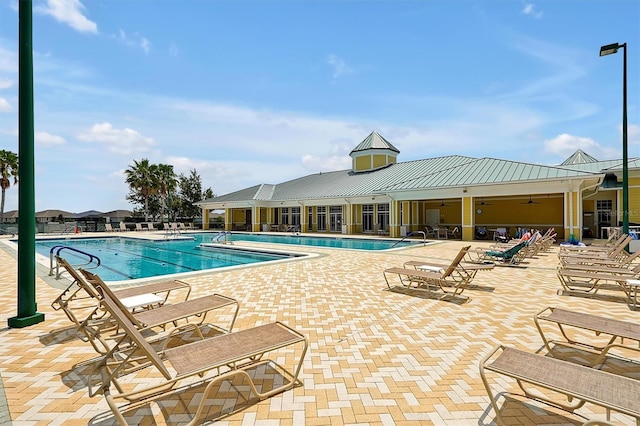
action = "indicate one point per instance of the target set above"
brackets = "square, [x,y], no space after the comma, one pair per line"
[376,357]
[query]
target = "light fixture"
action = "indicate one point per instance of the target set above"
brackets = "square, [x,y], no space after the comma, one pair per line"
[604,51]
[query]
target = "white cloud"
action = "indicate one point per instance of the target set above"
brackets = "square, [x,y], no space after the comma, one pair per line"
[70,12]
[339,66]
[47,139]
[565,144]
[530,9]
[5,106]
[120,141]
[8,60]
[5,83]
[135,40]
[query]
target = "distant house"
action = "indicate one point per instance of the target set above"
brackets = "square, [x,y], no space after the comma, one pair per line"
[116,216]
[46,216]
[11,216]
[379,195]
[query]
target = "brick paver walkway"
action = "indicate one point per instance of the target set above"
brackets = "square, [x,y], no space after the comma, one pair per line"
[376,357]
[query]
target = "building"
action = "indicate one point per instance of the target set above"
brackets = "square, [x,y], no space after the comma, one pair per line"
[380,195]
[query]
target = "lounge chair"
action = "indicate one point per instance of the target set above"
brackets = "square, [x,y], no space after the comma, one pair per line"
[612,242]
[139,227]
[579,384]
[469,269]
[108,227]
[235,352]
[78,300]
[151,227]
[615,253]
[575,279]
[123,227]
[452,280]
[187,315]
[510,256]
[614,328]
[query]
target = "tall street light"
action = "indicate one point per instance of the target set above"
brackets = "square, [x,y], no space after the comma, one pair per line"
[604,51]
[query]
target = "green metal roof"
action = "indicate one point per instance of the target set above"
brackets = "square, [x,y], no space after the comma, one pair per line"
[432,173]
[485,171]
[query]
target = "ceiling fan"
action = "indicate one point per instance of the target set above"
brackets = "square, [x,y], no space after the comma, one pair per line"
[442,204]
[531,201]
[482,203]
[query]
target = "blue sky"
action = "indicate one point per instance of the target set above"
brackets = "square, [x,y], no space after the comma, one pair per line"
[250,92]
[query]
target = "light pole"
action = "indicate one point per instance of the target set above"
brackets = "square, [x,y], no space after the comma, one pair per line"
[604,51]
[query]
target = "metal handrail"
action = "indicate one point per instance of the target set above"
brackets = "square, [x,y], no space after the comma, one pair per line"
[59,248]
[225,234]
[424,238]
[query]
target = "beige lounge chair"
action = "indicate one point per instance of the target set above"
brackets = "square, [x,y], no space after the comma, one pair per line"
[139,227]
[77,301]
[227,356]
[172,318]
[470,269]
[577,383]
[613,241]
[452,280]
[614,328]
[616,253]
[592,280]
[151,227]
[108,227]
[123,227]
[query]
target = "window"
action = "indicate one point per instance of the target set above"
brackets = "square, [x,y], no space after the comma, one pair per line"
[367,217]
[383,216]
[310,218]
[321,216]
[605,210]
[284,215]
[295,216]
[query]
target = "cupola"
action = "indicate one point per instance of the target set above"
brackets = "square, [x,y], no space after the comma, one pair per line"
[374,152]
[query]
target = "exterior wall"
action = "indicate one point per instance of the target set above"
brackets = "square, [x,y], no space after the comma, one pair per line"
[362,163]
[634,200]
[379,161]
[550,211]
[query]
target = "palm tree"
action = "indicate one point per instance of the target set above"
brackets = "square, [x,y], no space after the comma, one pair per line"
[141,179]
[8,170]
[166,183]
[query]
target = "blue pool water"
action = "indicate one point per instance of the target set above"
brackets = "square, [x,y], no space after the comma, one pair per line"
[125,258]
[336,242]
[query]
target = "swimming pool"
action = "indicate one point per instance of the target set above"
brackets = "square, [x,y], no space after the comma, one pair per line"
[335,242]
[127,258]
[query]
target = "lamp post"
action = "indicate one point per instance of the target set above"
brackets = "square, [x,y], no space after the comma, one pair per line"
[604,51]
[27,307]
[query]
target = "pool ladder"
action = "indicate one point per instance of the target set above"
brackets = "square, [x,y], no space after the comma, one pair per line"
[226,235]
[91,263]
[424,238]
